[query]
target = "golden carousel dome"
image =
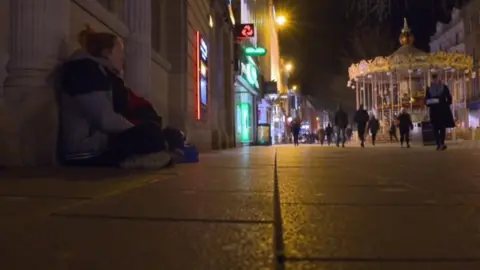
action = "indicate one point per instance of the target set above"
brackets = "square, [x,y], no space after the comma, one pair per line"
[406,40]
[406,37]
[408,58]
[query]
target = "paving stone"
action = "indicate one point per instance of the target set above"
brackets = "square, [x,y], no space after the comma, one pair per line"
[381,266]
[221,179]
[79,243]
[154,202]
[72,183]
[385,232]
[373,208]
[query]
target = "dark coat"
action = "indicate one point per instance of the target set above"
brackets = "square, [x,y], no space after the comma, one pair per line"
[329,131]
[373,125]
[341,119]
[405,122]
[361,117]
[439,103]
[393,128]
[295,128]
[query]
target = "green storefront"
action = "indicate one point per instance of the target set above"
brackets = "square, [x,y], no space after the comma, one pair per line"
[246,95]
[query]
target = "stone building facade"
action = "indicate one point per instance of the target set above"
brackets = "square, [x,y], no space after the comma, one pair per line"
[161,65]
[450,37]
[252,107]
[471,20]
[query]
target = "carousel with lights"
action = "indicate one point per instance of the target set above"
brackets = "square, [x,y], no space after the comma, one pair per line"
[386,85]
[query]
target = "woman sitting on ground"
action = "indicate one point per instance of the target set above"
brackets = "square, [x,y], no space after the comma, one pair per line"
[94,131]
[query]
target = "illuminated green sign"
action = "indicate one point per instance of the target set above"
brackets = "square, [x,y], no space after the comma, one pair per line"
[258,51]
[244,122]
[250,72]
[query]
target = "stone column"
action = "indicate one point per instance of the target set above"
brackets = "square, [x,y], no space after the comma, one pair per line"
[138,46]
[180,99]
[229,82]
[38,35]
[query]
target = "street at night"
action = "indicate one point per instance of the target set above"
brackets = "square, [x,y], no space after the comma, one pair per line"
[308,207]
[239,134]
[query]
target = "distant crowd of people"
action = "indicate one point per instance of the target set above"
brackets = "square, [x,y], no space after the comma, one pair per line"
[437,98]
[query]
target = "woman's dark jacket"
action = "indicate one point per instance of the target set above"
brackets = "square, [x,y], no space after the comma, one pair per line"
[438,99]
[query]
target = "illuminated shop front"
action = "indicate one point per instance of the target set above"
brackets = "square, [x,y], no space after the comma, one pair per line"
[201,77]
[246,95]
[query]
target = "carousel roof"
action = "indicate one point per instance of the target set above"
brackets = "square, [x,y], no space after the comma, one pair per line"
[408,57]
[408,50]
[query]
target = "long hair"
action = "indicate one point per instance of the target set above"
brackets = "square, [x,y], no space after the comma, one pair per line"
[98,43]
[83,36]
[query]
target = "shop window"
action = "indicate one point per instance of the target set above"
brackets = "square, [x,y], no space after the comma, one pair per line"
[470,24]
[157,33]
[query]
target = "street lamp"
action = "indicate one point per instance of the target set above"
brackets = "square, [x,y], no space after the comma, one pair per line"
[281,20]
[294,88]
[288,67]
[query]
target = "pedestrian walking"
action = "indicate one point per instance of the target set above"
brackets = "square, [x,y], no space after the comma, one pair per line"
[373,127]
[329,133]
[439,99]
[349,132]
[393,132]
[321,135]
[405,125]
[361,118]
[341,123]
[295,128]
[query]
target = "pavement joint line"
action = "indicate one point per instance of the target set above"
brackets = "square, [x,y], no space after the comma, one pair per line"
[45,197]
[278,240]
[217,191]
[254,167]
[159,219]
[124,188]
[425,204]
[383,259]
[34,217]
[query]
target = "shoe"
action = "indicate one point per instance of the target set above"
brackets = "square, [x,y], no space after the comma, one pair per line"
[438,147]
[150,161]
[338,145]
[343,145]
[443,148]
[177,155]
[408,145]
[362,145]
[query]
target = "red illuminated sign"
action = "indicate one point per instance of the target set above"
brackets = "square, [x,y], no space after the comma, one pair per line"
[197,75]
[243,31]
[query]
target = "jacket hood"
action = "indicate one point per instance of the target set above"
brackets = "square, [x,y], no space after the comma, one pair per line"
[81,54]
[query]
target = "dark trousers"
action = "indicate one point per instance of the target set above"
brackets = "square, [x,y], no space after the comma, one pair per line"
[393,135]
[295,138]
[405,136]
[439,132]
[361,133]
[374,137]
[340,133]
[146,138]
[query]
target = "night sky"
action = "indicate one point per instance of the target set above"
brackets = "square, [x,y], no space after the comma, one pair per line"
[322,41]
